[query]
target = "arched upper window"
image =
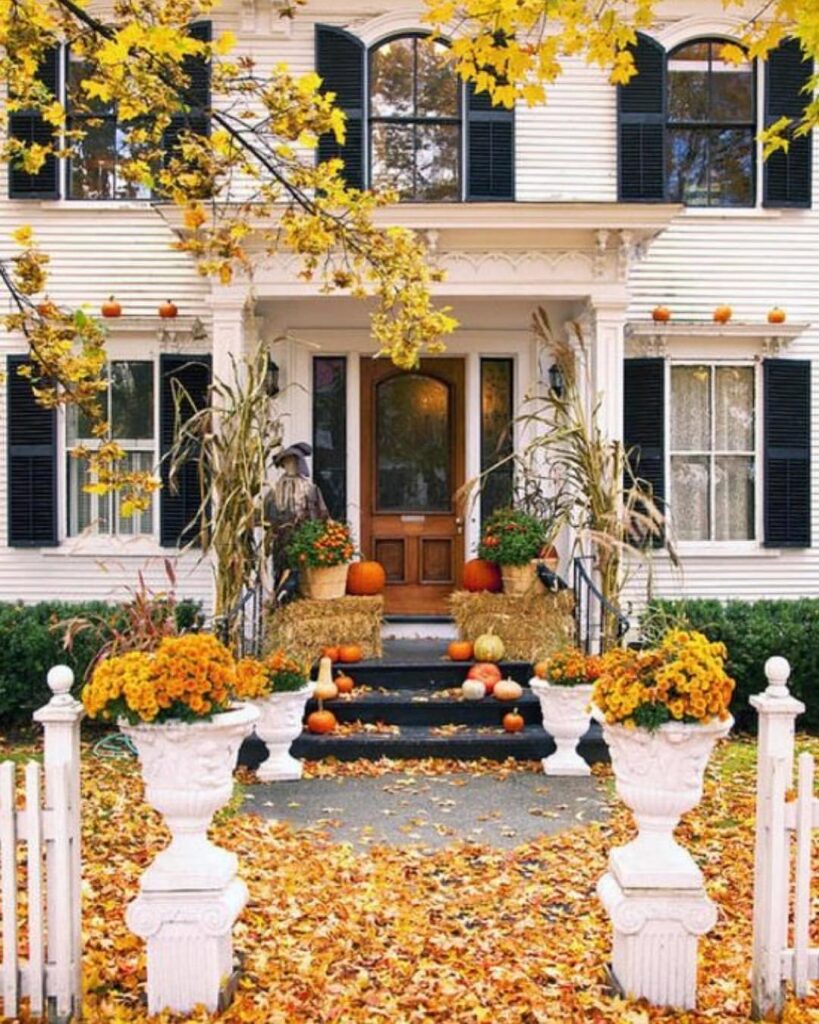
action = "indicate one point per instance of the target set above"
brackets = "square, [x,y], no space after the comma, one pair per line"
[415,120]
[711,124]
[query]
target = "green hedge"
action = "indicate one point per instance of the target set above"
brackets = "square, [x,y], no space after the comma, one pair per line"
[29,647]
[753,631]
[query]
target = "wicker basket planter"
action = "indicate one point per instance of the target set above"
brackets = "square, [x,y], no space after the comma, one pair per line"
[521,579]
[325,583]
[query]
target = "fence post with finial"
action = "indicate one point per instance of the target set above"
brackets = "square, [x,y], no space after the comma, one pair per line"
[777,711]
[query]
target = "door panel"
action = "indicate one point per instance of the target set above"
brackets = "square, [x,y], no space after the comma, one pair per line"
[412,446]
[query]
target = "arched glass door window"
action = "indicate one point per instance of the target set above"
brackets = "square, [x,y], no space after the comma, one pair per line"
[415,120]
[711,127]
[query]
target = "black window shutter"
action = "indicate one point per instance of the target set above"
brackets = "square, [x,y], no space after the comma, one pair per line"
[340,62]
[644,425]
[30,127]
[180,502]
[787,176]
[641,173]
[196,118]
[32,464]
[490,148]
[787,412]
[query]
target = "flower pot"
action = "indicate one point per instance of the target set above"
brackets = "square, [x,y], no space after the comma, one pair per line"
[280,722]
[187,768]
[521,579]
[565,711]
[659,776]
[324,583]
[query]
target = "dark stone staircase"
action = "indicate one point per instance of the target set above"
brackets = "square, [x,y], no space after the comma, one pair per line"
[408,689]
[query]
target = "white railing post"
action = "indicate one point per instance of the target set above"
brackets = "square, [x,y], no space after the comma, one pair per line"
[777,711]
[61,719]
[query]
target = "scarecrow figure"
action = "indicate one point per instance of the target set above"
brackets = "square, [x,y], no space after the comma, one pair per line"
[295,497]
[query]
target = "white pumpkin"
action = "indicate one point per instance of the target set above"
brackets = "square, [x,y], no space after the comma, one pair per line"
[473,689]
[507,689]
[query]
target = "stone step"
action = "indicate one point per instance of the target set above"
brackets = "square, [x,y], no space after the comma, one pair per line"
[415,706]
[428,674]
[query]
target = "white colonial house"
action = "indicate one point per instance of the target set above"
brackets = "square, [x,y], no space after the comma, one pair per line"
[598,206]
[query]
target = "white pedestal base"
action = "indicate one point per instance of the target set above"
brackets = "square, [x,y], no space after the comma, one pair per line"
[656,932]
[190,944]
[565,760]
[280,723]
[281,766]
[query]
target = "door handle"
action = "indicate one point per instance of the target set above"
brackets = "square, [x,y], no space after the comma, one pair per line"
[459,525]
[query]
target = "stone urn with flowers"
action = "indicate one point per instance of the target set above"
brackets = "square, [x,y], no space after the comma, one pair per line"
[662,711]
[563,684]
[179,707]
[279,688]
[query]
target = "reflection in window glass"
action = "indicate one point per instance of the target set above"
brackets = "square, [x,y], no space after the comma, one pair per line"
[129,405]
[415,120]
[711,127]
[330,431]
[713,461]
[496,434]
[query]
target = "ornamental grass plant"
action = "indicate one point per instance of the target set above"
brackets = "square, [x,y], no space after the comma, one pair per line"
[682,679]
[187,678]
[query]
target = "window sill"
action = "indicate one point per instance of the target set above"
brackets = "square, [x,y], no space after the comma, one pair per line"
[731,212]
[107,547]
[96,204]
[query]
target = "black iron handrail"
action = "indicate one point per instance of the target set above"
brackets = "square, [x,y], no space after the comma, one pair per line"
[592,611]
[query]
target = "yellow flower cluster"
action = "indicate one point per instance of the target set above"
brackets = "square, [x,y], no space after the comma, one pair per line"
[683,680]
[571,667]
[190,676]
[276,673]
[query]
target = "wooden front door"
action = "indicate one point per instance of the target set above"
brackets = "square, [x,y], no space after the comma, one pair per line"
[412,466]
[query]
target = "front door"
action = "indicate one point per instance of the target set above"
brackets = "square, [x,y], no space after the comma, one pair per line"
[412,466]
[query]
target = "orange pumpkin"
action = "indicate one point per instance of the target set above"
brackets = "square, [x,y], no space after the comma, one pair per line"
[167,310]
[541,669]
[344,683]
[330,652]
[479,574]
[776,315]
[661,314]
[459,650]
[348,653]
[321,721]
[111,307]
[513,721]
[364,579]
[487,672]
[722,314]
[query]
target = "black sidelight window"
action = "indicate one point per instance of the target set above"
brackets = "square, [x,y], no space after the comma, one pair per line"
[330,431]
[497,440]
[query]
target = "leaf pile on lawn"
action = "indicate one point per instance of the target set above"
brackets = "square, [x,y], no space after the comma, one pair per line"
[461,935]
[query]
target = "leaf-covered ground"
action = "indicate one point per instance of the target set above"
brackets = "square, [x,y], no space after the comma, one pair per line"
[336,933]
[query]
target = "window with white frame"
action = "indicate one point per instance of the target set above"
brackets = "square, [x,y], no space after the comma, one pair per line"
[712,446]
[129,405]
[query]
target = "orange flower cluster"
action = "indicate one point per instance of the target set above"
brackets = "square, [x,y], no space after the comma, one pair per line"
[187,677]
[277,673]
[317,543]
[571,667]
[683,680]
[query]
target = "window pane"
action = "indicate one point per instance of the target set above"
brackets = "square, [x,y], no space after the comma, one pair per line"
[690,409]
[690,497]
[496,433]
[734,486]
[734,411]
[731,162]
[330,432]
[732,90]
[391,78]
[437,167]
[140,522]
[688,166]
[437,83]
[80,510]
[126,151]
[413,440]
[132,400]
[393,158]
[78,100]
[93,162]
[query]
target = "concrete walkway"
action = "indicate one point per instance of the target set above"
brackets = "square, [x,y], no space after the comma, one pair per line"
[434,811]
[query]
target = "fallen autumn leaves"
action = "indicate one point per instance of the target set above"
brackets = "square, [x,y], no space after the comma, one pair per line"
[400,934]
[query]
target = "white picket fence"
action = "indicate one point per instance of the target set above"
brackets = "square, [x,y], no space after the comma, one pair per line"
[40,867]
[782,951]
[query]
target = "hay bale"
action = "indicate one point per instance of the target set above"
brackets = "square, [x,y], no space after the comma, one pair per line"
[532,626]
[303,627]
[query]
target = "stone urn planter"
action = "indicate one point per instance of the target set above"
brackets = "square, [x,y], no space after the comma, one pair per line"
[659,776]
[324,583]
[280,722]
[565,711]
[187,768]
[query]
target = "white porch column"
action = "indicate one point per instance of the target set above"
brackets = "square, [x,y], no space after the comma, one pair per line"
[229,305]
[607,351]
